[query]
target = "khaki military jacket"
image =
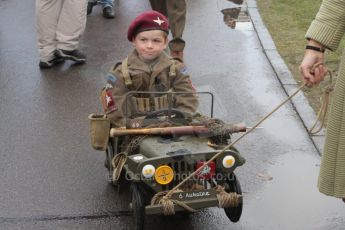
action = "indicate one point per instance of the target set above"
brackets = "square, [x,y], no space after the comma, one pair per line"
[157,76]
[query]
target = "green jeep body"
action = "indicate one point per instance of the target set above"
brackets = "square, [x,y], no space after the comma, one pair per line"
[182,154]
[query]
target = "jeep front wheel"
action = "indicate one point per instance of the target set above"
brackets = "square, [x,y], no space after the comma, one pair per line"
[234,213]
[138,207]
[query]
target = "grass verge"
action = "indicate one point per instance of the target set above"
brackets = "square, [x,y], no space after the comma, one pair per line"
[287,22]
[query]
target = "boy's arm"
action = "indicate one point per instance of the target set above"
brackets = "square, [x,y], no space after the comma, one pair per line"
[182,83]
[112,97]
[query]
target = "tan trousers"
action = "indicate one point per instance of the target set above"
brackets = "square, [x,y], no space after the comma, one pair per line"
[60,24]
[176,11]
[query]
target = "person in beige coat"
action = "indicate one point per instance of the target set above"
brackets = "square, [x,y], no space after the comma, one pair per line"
[147,68]
[325,32]
[60,24]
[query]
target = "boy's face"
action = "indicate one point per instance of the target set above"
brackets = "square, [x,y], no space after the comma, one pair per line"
[150,44]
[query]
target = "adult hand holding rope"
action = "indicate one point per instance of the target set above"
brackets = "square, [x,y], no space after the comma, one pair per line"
[313,72]
[312,67]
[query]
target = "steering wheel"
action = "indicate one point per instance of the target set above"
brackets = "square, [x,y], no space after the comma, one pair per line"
[174,113]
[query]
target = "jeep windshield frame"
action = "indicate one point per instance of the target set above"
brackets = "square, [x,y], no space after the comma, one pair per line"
[170,96]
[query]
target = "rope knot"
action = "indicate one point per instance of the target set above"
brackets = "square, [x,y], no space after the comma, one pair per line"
[164,198]
[168,206]
[226,199]
[329,89]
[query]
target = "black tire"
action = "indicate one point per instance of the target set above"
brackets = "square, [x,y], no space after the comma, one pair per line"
[138,206]
[234,213]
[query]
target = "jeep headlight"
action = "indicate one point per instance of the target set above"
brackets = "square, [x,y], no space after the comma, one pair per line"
[164,174]
[228,161]
[148,171]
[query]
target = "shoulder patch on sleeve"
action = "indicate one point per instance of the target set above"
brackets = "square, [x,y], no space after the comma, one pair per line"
[184,70]
[111,79]
[108,102]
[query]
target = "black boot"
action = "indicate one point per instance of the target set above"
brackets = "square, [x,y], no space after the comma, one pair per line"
[90,5]
[74,55]
[108,12]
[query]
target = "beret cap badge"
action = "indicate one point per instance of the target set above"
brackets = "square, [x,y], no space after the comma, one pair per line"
[159,21]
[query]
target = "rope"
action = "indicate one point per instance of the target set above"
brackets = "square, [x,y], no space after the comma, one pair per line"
[159,195]
[321,115]
[168,195]
[168,203]
[168,206]
[118,162]
[225,199]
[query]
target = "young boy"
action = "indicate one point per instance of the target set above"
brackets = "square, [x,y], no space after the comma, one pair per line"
[147,68]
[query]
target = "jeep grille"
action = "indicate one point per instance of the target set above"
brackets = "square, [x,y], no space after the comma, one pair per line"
[183,169]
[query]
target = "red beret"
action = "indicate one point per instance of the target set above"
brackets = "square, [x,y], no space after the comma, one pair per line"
[149,20]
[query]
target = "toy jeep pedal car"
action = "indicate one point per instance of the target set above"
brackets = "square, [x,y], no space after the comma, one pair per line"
[159,149]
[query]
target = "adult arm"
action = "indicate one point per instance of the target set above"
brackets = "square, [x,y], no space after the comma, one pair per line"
[325,32]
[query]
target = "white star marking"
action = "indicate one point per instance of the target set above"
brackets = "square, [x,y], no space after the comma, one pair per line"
[159,21]
[108,99]
[205,170]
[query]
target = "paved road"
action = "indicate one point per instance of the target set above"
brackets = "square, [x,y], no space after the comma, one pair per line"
[51,178]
